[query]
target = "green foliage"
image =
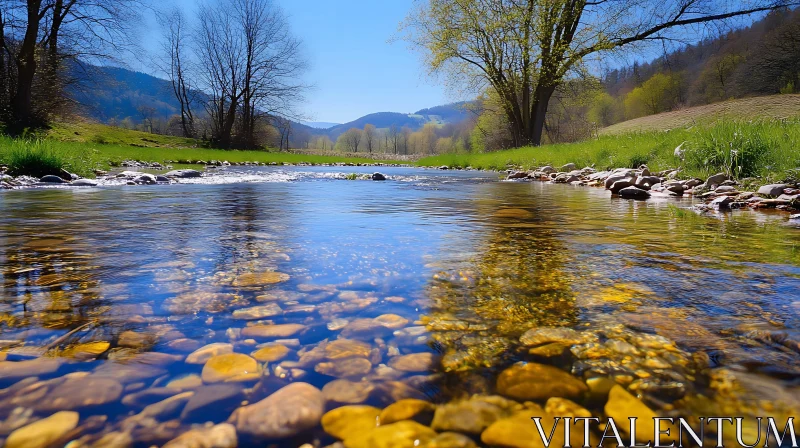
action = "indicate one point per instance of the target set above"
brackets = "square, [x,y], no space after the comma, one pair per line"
[351,176]
[604,110]
[658,94]
[32,158]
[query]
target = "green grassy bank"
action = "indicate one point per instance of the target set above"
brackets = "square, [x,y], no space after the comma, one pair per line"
[769,149]
[37,157]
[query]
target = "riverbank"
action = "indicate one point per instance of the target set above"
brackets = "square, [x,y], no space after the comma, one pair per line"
[49,157]
[767,150]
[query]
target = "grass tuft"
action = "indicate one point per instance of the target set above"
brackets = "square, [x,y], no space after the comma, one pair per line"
[32,158]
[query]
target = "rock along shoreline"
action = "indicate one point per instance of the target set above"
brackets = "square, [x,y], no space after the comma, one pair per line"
[720,192]
[116,178]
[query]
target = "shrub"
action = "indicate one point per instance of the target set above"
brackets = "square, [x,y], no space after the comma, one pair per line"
[731,149]
[33,158]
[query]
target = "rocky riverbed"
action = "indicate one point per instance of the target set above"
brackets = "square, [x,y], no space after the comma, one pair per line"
[719,191]
[443,309]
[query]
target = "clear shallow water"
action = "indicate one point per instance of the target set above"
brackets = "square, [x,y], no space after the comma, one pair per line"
[697,315]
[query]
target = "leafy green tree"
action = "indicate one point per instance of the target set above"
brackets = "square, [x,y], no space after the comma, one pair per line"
[525,49]
[660,93]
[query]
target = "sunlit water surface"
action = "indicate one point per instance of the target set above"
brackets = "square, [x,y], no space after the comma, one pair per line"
[695,314]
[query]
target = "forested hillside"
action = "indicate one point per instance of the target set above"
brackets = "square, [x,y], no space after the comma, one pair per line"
[762,59]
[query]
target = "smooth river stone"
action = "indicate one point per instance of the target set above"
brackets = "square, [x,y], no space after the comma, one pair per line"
[348,421]
[345,391]
[272,331]
[405,409]
[43,433]
[259,279]
[346,348]
[469,417]
[538,382]
[292,410]
[365,329]
[622,405]
[392,321]
[218,436]
[22,369]
[271,353]
[345,368]
[166,408]
[231,367]
[415,362]
[401,434]
[81,392]
[203,354]
[258,312]
[544,335]
[519,431]
[451,440]
[213,403]
[189,381]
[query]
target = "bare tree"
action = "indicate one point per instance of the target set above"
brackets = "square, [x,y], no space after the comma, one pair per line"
[405,136]
[147,113]
[284,127]
[350,140]
[176,66]
[393,134]
[37,40]
[251,65]
[369,136]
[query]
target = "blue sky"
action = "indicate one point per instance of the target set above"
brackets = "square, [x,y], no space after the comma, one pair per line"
[354,69]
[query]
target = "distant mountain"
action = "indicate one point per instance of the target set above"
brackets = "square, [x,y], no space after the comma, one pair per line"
[319,124]
[439,115]
[114,93]
[107,93]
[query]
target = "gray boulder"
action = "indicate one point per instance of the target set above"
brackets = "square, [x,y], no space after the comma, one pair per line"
[721,203]
[610,180]
[514,175]
[620,184]
[634,193]
[547,169]
[795,217]
[146,179]
[184,174]
[569,167]
[691,183]
[292,410]
[83,183]
[725,189]
[645,182]
[772,190]
[50,179]
[716,179]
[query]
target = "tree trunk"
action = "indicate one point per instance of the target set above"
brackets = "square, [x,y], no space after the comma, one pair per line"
[535,131]
[21,103]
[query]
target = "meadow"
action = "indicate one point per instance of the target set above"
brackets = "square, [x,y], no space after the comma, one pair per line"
[83,148]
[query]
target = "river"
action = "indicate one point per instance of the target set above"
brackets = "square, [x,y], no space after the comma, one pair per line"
[131,313]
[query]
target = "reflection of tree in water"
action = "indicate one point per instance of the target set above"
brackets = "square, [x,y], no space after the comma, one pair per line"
[50,283]
[516,281]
